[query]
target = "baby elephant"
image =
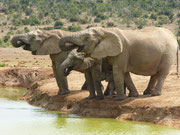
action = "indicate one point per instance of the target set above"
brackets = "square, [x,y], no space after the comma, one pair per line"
[95,71]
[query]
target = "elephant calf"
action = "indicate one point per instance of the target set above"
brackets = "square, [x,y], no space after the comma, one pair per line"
[95,71]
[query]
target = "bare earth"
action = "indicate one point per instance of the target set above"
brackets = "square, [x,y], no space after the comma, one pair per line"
[35,73]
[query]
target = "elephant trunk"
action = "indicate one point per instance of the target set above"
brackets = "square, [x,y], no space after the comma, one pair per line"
[66,67]
[19,40]
[73,39]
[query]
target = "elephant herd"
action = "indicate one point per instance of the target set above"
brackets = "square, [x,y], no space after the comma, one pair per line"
[106,54]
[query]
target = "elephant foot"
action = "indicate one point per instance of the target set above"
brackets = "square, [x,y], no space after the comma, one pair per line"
[133,94]
[118,98]
[91,96]
[106,93]
[99,97]
[63,92]
[156,93]
[146,92]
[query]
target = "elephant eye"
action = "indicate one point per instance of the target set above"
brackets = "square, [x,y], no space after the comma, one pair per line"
[86,38]
[33,37]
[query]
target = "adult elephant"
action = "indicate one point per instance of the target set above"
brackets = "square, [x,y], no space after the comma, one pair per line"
[96,70]
[148,52]
[43,42]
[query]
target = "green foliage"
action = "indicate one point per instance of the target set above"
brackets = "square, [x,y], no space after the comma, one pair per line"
[48,28]
[178,33]
[58,25]
[74,19]
[96,20]
[163,20]
[74,28]
[110,24]
[140,22]
[129,12]
[26,29]
[83,21]
[178,42]
[2,64]
[32,20]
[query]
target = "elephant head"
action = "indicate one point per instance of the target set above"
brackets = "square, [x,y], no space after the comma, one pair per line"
[97,42]
[40,42]
[76,61]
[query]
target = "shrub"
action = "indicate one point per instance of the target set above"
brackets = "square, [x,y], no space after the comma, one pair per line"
[179,42]
[48,28]
[2,64]
[6,38]
[83,21]
[73,19]
[110,24]
[26,29]
[140,22]
[58,24]
[178,33]
[163,19]
[74,28]
[153,16]
[4,23]
[97,20]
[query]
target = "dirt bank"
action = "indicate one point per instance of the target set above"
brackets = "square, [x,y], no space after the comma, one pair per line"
[42,91]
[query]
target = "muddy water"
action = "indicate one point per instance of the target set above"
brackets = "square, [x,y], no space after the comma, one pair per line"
[20,118]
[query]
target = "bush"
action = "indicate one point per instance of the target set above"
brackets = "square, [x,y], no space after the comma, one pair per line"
[48,28]
[97,20]
[83,21]
[26,29]
[178,33]
[179,42]
[74,28]
[153,16]
[140,22]
[6,38]
[110,24]
[58,24]
[73,19]
[2,64]
[163,19]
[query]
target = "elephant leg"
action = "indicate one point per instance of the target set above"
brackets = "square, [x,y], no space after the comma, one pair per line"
[158,88]
[130,85]
[151,85]
[119,83]
[61,80]
[90,84]
[84,86]
[111,88]
[96,81]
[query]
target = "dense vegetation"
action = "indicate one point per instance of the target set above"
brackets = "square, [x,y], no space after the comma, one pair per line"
[74,15]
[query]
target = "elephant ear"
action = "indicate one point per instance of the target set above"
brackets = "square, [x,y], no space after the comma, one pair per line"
[50,45]
[110,45]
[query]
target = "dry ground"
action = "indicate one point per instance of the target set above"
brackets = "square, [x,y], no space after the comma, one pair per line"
[34,72]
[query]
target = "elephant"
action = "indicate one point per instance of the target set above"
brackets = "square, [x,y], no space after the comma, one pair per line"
[43,42]
[96,70]
[148,52]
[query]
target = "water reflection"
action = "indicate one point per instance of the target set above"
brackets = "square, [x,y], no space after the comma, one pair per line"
[20,118]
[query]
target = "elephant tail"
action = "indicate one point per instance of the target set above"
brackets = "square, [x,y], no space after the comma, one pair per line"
[177,67]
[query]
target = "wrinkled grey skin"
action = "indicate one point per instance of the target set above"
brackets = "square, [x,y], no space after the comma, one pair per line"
[95,72]
[149,52]
[91,68]
[42,42]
